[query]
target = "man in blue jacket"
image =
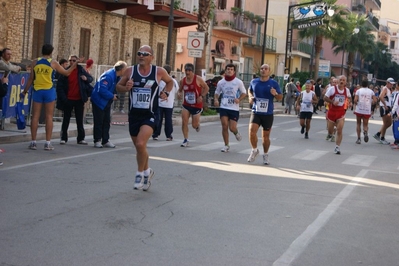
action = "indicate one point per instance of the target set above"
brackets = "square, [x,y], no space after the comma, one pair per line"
[72,93]
[102,97]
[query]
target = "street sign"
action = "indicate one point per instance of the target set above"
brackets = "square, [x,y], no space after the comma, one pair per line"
[195,53]
[195,40]
[324,69]
[314,23]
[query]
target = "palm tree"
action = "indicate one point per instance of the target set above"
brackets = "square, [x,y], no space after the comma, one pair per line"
[325,31]
[359,40]
[205,13]
[204,16]
[379,57]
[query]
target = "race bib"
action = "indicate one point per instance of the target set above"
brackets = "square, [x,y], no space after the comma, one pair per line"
[228,101]
[306,107]
[340,99]
[190,97]
[141,98]
[364,104]
[262,105]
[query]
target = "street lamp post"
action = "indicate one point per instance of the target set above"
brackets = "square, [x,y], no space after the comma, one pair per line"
[264,33]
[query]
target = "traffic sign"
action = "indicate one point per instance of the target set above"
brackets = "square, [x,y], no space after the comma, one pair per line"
[195,40]
[195,53]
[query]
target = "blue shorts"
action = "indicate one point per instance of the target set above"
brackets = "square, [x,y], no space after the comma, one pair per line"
[44,96]
[231,114]
[193,110]
[135,124]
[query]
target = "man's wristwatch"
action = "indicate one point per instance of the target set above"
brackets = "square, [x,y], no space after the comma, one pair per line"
[167,93]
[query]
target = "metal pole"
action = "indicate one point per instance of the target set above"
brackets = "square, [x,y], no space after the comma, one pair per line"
[49,27]
[287,41]
[264,32]
[170,30]
[312,54]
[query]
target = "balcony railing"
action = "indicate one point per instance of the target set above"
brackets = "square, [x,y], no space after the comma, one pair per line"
[384,29]
[359,8]
[271,42]
[189,6]
[373,20]
[234,22]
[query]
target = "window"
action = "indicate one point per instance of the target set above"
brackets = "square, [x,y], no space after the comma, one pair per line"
[84,47]
[392,45]
[38,37]
[222,4]
[136,47]
[238,3]
[159,54]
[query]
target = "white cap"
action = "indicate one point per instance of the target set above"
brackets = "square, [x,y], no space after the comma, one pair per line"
[391,80]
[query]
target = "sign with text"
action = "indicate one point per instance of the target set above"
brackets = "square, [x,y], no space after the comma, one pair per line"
[324,68]
[195,40]
[195,53]
[314,23]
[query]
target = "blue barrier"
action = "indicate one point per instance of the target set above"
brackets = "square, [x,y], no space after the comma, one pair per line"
[16,83]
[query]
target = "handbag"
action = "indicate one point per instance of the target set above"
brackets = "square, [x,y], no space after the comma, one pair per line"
[19,111]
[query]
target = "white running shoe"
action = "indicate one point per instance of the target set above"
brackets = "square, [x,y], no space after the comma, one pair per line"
[198,128]
[109,145]
[238,136]
[138,182]
[225,149]
[185,143]
[147,180]
[98,144]
[337,150]
[253,155]
[266,159]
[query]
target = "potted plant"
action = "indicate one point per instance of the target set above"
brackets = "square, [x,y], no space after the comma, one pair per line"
[226,22]
[258,19]
[236,11]
[249,15]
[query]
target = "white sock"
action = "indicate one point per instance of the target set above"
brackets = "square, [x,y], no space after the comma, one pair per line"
[147,172]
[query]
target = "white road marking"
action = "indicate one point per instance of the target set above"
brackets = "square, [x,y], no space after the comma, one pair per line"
[301,243]
[309,155]
[360,160]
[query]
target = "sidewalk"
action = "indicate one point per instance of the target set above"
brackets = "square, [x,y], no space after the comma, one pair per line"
[12,135]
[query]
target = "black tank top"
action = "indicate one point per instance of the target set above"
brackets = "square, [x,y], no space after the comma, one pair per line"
[143,100]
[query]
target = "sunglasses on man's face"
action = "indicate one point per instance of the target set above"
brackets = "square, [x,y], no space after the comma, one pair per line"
[72,60]
[143,54]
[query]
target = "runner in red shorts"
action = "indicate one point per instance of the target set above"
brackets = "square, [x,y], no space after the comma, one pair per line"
[337,97]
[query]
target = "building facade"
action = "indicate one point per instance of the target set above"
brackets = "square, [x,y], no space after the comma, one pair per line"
[104,30]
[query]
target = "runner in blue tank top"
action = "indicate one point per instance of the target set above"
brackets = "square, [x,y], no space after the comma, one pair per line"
[262,92]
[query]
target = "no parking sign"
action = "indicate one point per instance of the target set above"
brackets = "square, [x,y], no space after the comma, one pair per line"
[195,40]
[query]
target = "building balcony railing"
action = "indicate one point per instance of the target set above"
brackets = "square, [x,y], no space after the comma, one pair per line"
[359,8]
[373,20]
[188,6]
[237,25]
[271,42]
[304,47]
[384,29]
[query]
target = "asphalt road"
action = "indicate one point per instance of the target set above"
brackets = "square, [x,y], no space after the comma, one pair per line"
[76,206]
